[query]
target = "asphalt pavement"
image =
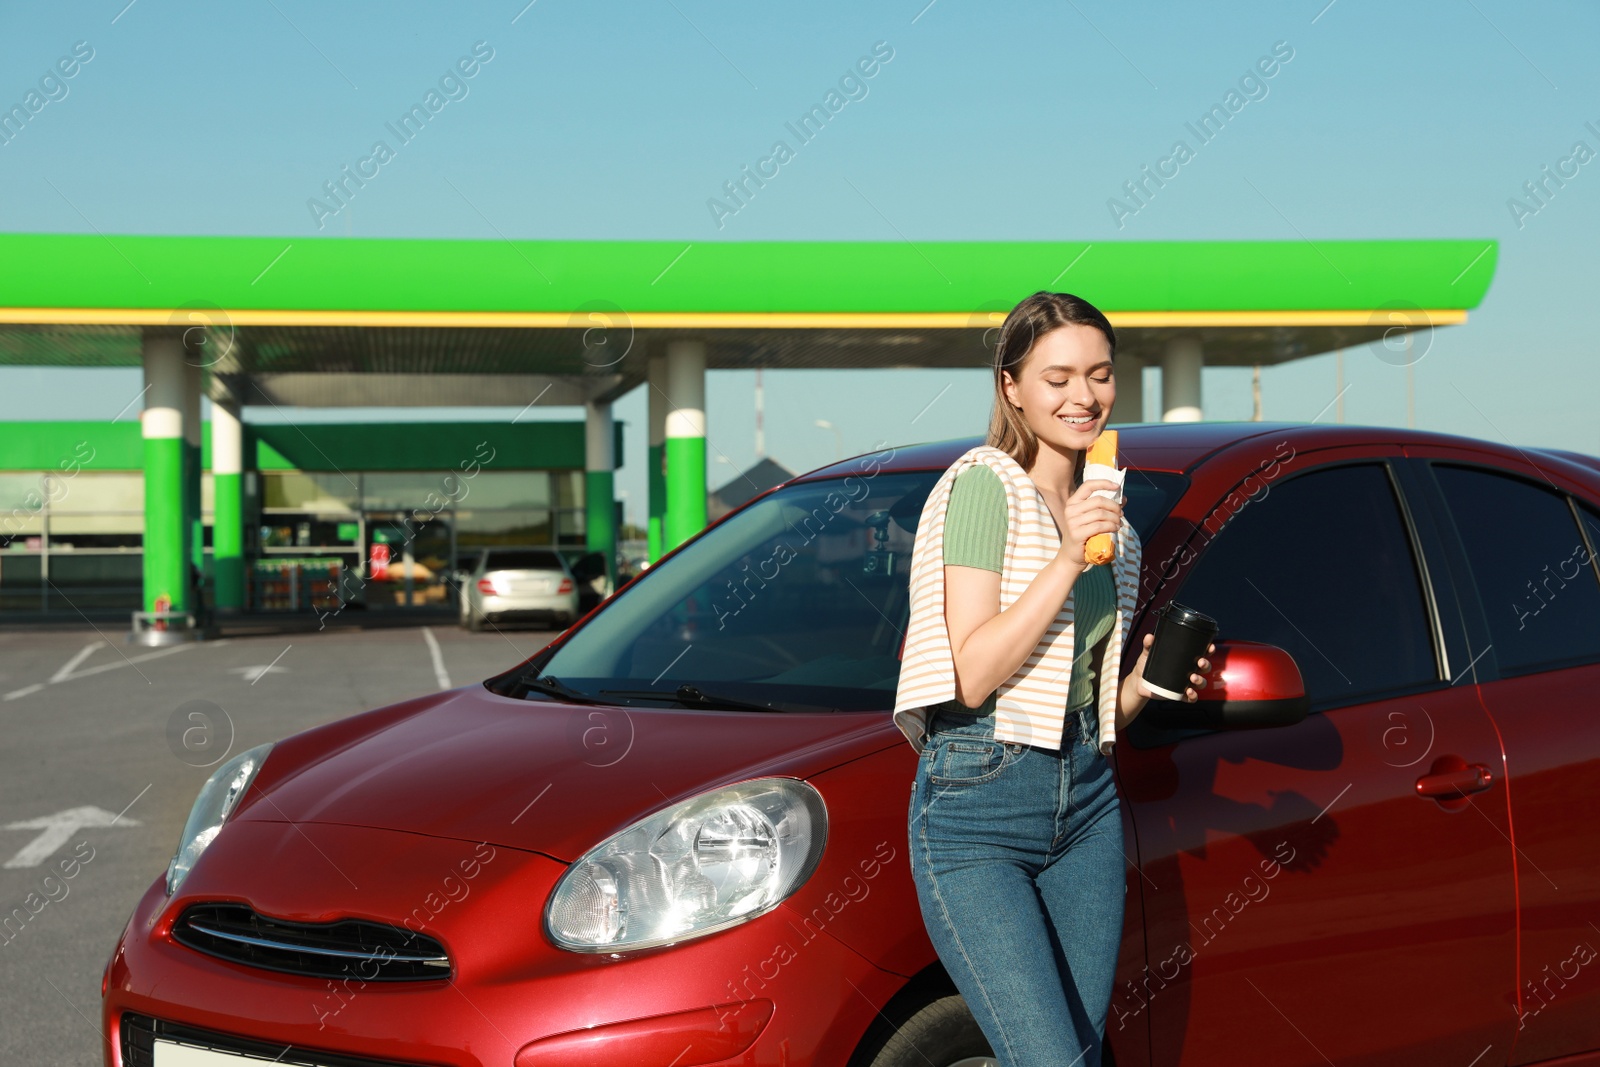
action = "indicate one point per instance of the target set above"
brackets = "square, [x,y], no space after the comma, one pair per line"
[105,747]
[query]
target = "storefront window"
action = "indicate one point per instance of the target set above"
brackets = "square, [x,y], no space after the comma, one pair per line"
[310,492]
[505,489]
[22,492]
[569,488]
[511,526]
[97,492]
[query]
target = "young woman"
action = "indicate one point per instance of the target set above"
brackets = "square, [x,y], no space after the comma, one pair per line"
[1016,848]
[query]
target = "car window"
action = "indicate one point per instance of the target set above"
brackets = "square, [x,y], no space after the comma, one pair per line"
[523,560]
[1147,496]
[1322,567]
[799,598]
[1531,566]
[1591,525]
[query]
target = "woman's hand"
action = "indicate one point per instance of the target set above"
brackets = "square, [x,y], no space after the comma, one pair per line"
[1086,516]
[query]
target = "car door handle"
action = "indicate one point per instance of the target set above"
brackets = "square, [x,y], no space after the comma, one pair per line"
[1473,778]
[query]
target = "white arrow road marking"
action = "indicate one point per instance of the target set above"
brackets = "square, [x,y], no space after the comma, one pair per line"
[61,676]
[72,664]
[438,658]
[57,829]
[175,649]
[258,672]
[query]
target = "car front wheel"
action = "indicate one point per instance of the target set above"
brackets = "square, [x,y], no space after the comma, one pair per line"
[941,1034]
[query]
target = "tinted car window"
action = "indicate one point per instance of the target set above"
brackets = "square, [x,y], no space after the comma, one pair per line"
[1591,524]
[799,599]
[1148,496]
[1531,566]
[1322,567]
[523,560]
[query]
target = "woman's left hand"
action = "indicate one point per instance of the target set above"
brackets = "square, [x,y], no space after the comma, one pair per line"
[1202,667]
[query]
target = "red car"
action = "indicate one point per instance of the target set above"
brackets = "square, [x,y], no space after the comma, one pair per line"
[677,835]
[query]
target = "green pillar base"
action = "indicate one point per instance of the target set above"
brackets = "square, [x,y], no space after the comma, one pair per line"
[686,489]
[657,493]
[227,541]
[194,535]
[165,566]
[600,530]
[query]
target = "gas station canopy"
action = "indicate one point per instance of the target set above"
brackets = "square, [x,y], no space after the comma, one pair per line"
[381,322]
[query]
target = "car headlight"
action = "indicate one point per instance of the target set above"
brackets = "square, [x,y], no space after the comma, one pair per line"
[217,799]
[709,863]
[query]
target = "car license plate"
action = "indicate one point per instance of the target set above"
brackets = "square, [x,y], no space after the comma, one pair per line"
[171,1054]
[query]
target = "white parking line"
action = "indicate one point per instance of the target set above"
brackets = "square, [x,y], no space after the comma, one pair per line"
[26,691]
[72,664]
[438,658]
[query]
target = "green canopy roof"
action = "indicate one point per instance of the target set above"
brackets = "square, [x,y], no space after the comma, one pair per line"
[377,322]
[392,274]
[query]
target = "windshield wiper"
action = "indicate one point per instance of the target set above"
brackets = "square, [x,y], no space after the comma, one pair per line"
[554,686]
[693,696]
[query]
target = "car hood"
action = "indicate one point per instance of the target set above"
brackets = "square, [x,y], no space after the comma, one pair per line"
[539,775]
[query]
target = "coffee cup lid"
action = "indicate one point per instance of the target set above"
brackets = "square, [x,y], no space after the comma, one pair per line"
[1185,616]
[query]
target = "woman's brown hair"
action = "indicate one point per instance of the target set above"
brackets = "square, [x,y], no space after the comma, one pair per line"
[1030,320]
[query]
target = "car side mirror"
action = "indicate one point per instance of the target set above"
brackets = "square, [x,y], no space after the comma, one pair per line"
[1250,685]
[589,567]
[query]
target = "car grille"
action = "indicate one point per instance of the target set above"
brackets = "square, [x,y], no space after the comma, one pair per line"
[373,952]
[139,1033]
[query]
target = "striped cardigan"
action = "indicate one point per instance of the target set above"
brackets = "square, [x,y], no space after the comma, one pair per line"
[1031,705]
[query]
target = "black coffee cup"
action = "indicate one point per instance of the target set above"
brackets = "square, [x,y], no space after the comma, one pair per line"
[1182,637]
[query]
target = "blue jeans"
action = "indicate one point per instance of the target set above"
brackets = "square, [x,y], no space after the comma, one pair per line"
[1017,857]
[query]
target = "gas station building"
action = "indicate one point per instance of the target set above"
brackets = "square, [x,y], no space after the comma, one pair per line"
[428,494]
[264,322]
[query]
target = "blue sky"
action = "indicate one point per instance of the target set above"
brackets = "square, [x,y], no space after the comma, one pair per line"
[998,121]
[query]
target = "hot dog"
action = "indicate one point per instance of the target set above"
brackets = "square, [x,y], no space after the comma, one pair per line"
[1101,547]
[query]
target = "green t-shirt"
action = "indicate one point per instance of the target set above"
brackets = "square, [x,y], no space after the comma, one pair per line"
[975,536]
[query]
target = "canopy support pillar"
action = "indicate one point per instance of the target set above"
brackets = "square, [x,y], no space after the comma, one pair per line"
[599,493]
[1180,380]
[656,404]
[685,442]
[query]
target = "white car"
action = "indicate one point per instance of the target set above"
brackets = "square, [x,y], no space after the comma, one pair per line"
[519,585]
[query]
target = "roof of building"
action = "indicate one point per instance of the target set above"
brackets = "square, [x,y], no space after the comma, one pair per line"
[760,476]
[465,447]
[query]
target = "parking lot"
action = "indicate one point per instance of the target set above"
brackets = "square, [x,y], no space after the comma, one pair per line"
[106,746]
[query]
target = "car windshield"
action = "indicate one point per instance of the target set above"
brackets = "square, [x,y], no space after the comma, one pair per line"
[798,600]
[523,560]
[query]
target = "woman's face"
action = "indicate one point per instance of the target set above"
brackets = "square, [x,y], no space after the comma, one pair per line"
[1067,373]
